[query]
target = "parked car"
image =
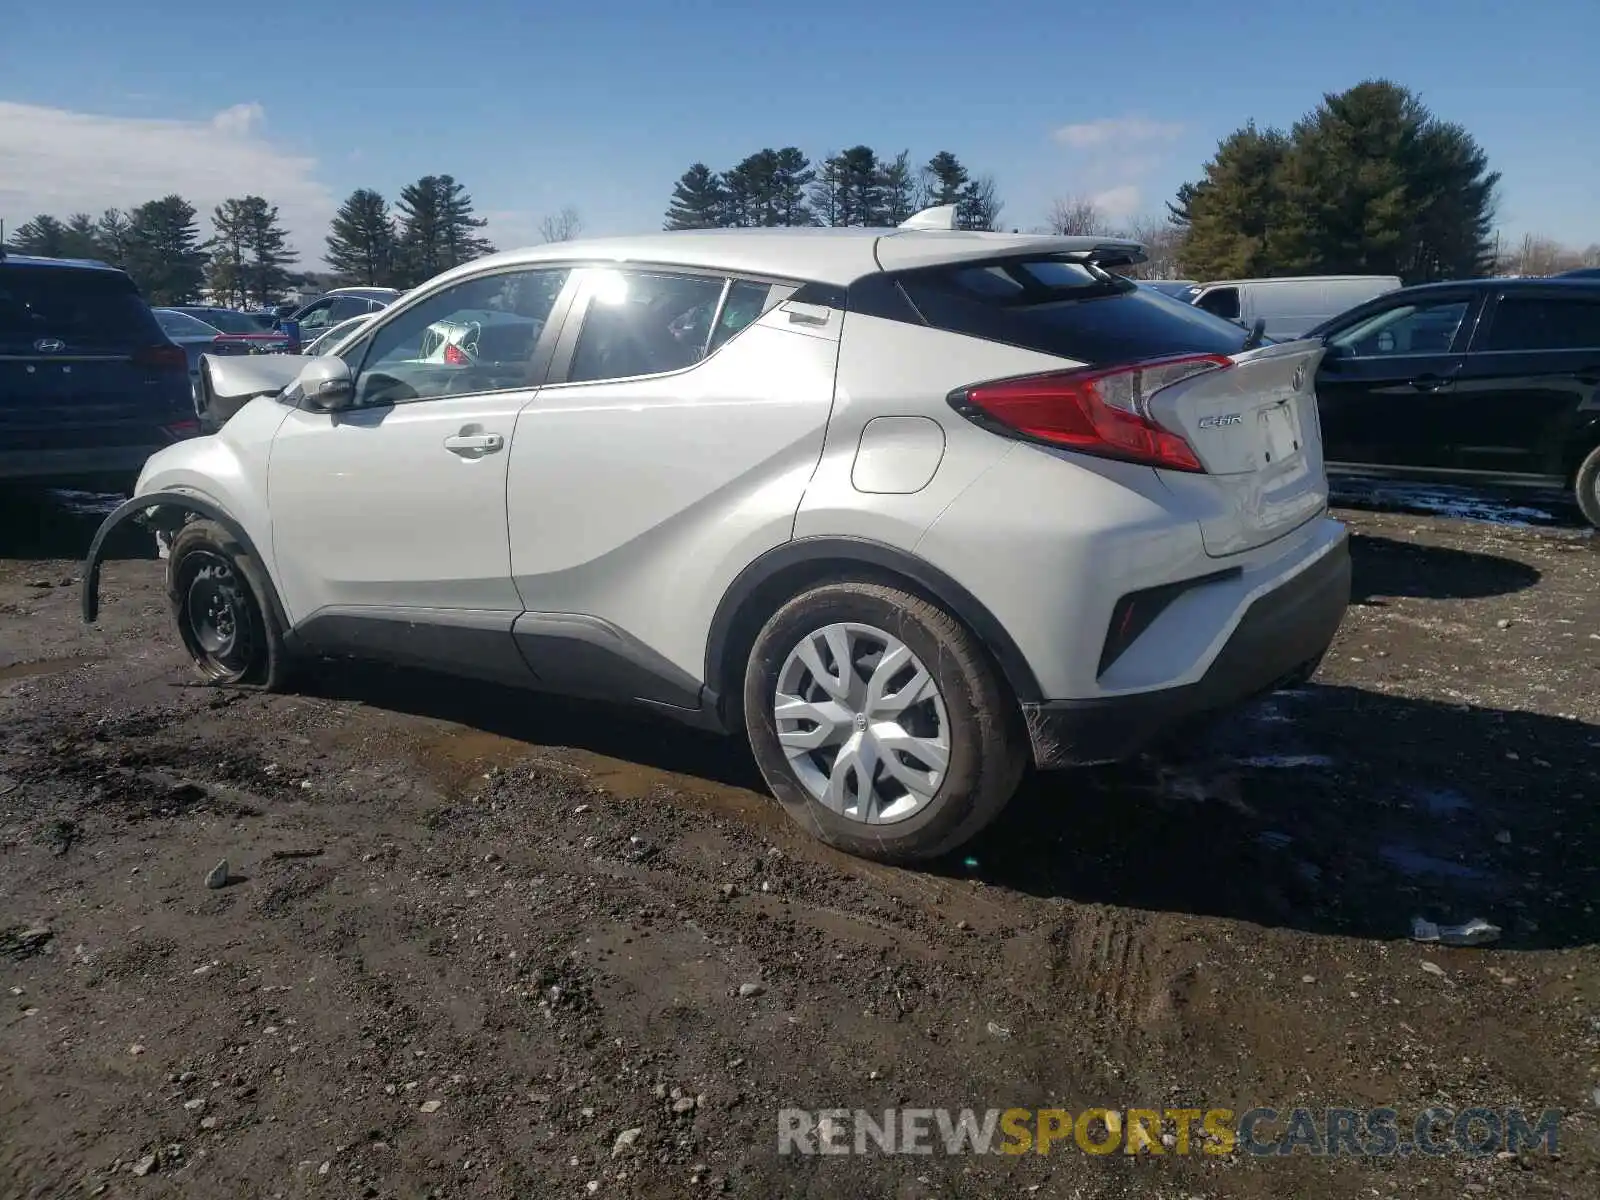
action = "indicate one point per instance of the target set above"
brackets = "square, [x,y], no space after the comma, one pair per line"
[196,338]
[1289,306]
[234,324]
[89,384]
[326,342]
[1488,380]
[929,506]
[311,320]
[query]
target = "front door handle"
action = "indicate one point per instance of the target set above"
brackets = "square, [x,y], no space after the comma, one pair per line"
[474,443]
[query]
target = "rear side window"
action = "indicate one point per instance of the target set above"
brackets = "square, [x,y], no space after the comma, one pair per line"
[85,309]
[1544,323]
[643,323]
[1059,306]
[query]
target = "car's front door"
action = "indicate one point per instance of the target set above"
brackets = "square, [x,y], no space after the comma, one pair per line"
[1385,388]
[389,516]
[1529,384]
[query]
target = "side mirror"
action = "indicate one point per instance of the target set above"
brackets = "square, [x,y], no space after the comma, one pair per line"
[326,384]
[1333,354]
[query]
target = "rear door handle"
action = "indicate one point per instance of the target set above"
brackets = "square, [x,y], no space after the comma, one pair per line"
[1430,383]
[474,443]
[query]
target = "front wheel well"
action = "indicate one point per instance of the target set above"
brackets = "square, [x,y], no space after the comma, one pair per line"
[750,605]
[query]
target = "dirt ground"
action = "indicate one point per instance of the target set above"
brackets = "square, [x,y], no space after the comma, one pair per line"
[471,936]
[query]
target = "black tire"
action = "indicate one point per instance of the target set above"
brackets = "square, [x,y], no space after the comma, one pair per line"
[987,742]
[1587,487]
[218,594]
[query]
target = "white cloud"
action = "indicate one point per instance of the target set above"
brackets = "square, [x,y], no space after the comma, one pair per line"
[1116,132]
[57,161]
[1120,201]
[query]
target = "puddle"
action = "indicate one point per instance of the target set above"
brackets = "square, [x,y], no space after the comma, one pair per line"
[44,666]
[1410,861]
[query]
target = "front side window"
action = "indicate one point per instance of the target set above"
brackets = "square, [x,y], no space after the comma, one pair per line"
[1420,328]
[479,335]
[644,323]
[1544,323]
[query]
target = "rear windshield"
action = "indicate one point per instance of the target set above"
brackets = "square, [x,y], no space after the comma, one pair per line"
[1073,309]
[85,309]
[232,322]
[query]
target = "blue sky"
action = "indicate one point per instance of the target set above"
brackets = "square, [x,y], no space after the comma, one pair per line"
[602,105]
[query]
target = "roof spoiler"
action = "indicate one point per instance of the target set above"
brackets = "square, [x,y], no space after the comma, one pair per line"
[1114,254]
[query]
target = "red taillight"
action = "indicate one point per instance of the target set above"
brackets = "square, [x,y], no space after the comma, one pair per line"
[179,430]
[1098,410]
[456,356]
[161,357]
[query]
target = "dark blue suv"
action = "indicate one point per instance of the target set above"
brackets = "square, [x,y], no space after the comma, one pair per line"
[89,384]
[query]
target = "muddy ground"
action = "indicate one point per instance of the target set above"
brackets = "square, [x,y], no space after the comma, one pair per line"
[471,936]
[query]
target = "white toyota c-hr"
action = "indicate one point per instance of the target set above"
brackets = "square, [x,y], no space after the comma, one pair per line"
[910,508]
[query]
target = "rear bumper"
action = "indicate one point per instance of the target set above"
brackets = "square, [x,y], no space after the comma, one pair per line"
[1279,641]
[69,464]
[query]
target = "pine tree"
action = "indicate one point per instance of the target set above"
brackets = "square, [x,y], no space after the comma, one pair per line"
[82,237]
[112,232]
[44,236]
[829,197]
[698,200]
[165,257]
[270,256]
[944,181]
[1370,182]
[863,186]
[979,207]
[899,185]
[436,229]
[792,175]
[361,243]
[229,252]
[1237,215]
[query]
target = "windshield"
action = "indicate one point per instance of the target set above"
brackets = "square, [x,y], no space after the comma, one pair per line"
[232,322]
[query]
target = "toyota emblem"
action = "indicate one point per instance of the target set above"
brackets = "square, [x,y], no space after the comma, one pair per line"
[49,345]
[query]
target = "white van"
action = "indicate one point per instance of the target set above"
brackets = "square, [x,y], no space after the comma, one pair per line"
[1289,306]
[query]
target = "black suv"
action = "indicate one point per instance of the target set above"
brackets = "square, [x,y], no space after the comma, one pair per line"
[1485,380]
[89,384]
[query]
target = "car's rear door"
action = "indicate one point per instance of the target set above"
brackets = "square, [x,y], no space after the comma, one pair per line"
[88,381]
[1385,388]
[1529,383]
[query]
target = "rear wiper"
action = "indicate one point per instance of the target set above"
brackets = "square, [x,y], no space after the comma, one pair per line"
[1252,340]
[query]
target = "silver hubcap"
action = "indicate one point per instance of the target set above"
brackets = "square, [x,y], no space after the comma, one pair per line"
[862,723]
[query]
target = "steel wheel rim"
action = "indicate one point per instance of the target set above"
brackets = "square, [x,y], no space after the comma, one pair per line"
[862,723]
[217,612]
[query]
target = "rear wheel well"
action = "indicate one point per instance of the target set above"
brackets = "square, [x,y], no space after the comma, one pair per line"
[763,600]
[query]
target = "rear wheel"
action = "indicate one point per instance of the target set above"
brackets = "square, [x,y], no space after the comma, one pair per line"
[1588,487]
[880,723]
[218,595]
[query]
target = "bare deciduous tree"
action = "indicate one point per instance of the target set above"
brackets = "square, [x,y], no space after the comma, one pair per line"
[1536,255]
[1161,240]
[564,226]
[1077,216]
